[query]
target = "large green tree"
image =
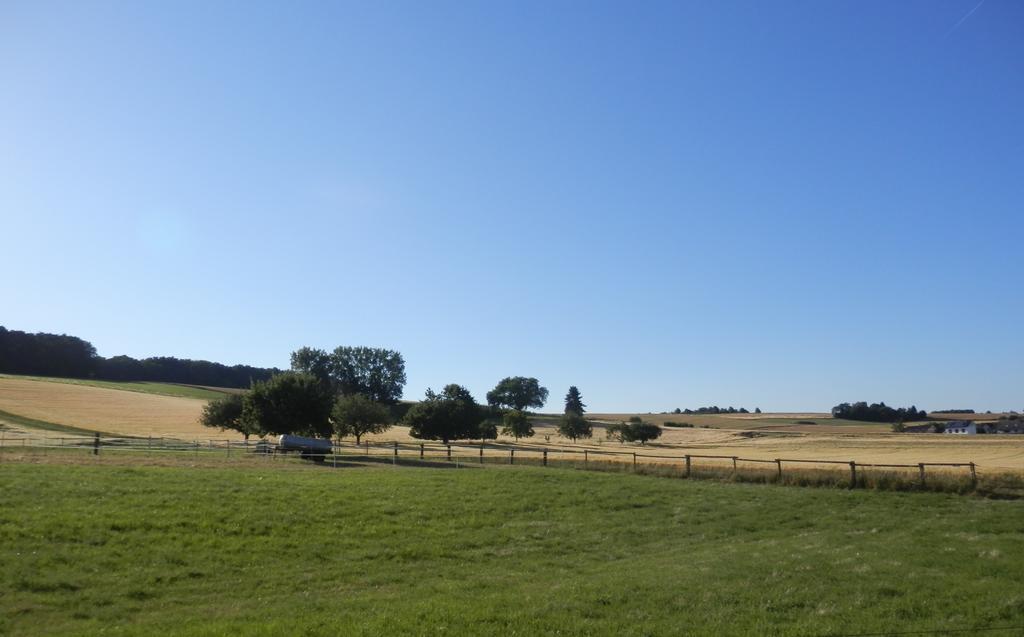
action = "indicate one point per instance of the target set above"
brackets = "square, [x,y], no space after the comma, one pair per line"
[517,425]
[357,415]
[574,426]
[374,372]
[378,374]
[310,360]
[636,430]
[451,414]
[226,413]
[289,403]
[574,402]
[518,393]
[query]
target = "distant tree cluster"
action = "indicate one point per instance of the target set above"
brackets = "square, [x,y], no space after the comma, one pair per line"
[714,410]
[877,412]
[378,374]
[348,392]
[635,430]
[60,355]
[168,369]
[952,411]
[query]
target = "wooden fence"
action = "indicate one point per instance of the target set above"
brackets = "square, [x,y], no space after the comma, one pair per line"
[684,464]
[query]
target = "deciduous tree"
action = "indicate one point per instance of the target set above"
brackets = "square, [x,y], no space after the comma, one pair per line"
[575,426]
[518,393]
[309,360]
[517,425]
[636,430]
[226,413]
[357,415]
[451,414]
[289,403]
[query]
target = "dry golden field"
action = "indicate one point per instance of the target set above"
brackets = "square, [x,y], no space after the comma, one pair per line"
[761,436]
[110,410]
[990,453]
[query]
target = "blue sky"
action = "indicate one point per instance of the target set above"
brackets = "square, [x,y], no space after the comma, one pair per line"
[778,205]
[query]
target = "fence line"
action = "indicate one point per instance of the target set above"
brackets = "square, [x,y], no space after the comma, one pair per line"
[464,453]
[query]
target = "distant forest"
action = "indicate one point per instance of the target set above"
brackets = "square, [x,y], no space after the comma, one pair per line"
[715,410]
[877,412]
[71,357]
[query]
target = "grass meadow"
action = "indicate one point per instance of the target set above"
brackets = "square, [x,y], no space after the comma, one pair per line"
[267,549]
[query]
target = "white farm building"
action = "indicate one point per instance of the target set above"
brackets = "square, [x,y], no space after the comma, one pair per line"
[962,427]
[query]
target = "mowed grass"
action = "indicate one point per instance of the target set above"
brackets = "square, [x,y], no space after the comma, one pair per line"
[274,548]
[159,389]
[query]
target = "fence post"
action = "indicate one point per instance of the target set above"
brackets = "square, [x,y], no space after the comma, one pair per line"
[778,461]
[449,453]
[421,451]
[586,458]
[734,464]
[920,469]
[197,450]
[511,456]
[974,476]
[96,444]
[396,453]
[687,465]
[149,445]
[481,453]
[334,454]
[227,443]
[853,474]
[545,457]
[634,461]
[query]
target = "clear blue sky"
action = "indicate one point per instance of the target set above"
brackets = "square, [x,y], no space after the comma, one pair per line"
[781,205]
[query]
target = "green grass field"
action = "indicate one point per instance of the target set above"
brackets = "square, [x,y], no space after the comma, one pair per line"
[272,548]
[161,389]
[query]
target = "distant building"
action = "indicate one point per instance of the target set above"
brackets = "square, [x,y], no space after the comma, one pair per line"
[963,427]
[1008,426]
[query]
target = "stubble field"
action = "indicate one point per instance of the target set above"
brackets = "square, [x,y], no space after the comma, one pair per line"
[760,436]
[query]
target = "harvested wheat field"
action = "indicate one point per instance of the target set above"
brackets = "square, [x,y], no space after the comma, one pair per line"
[140,414]
[991,453]
[109,410]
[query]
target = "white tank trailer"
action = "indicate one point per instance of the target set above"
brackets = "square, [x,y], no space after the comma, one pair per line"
[310,448]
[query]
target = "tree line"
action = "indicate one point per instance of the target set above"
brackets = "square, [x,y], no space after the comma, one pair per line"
[715,410]
[877,412]
[354,391]
[60,355]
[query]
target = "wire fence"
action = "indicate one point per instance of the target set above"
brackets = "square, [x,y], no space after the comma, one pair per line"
[956,476]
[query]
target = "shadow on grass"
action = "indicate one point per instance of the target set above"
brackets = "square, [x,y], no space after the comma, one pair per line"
[362,461]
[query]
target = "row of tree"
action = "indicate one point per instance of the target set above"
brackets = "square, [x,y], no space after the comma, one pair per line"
[877,412]
[347,393]
[60,355]
[715,410]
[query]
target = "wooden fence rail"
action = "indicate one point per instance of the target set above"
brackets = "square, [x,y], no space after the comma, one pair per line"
[453,452]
